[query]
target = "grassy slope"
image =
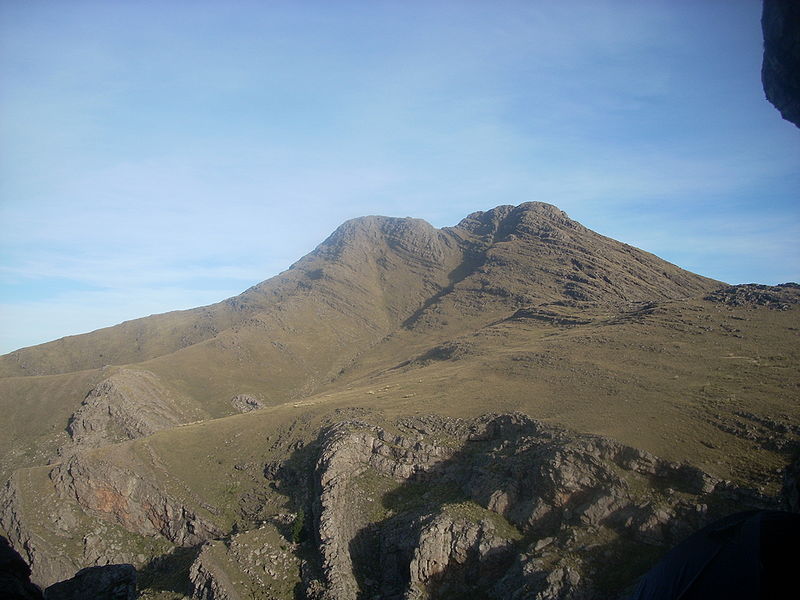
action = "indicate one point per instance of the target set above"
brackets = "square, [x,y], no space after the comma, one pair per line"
[657,379]
[394,322]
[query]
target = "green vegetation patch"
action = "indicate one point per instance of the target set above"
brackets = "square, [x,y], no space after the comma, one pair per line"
[474,512]
[415,495]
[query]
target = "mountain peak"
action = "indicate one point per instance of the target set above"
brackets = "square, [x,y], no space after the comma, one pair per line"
[414,238]
[527,218]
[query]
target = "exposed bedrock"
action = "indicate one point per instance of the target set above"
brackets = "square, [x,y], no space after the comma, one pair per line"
[47,564]
[112,493]
[129,404]
[502,505]
[208,580]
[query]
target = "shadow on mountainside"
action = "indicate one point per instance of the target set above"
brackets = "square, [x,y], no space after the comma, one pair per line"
[492,507]
[169,572]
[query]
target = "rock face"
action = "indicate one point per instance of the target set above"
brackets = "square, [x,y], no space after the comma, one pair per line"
[244,403]
[775,297]
[502,506]
[109,582]
[780,70]
[128,405]
[125,498]
[47,564]
[208,580]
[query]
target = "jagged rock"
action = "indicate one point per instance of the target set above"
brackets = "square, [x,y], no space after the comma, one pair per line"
[15,575]
[244,403]
[128,405]
[780,70]
[348,449]
[47,564]
[124,497]
[266,566]
[455,556]
[109,582]
[776,297]
[208,581]
[449,514]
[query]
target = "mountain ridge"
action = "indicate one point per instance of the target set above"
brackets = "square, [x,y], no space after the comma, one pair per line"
[424,247]
[393,347]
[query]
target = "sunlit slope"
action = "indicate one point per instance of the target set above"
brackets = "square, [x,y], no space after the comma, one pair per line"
[374,270]
[380,271]
[375,288]
[289,334]
[515,309]
[699,381]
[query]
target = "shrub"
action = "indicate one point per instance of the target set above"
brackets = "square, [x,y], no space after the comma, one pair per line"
[299,527]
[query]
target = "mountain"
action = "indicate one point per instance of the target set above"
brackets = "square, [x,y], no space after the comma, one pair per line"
[414,395]
[372,278]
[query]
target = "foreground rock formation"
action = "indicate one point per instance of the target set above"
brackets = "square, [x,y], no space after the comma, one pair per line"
[780,71]
[109,582]
[15,575]
[501,506]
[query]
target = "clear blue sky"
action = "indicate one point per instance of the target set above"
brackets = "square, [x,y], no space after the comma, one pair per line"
[164,155]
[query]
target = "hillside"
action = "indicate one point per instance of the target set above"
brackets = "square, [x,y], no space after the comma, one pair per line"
[373,277]
[190,444]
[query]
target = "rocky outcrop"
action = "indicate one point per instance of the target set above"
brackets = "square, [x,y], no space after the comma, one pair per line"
[260,560]
[780,70]
[114,494]
[456,556]
[348,450]
[244,403]
[775,297]
[128,405]
[503,506]
[109,582]
[208,581]
[48,565]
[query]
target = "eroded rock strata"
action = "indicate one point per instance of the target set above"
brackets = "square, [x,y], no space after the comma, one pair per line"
[127,499]
[503,506]
[127,405]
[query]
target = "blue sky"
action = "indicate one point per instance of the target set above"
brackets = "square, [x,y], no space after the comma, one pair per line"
[165,155]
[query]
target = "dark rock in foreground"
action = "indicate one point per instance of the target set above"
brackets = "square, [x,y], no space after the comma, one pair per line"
[780,71]
[15,575]
[109,582]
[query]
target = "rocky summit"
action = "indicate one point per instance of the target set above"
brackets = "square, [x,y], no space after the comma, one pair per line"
[512,407]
